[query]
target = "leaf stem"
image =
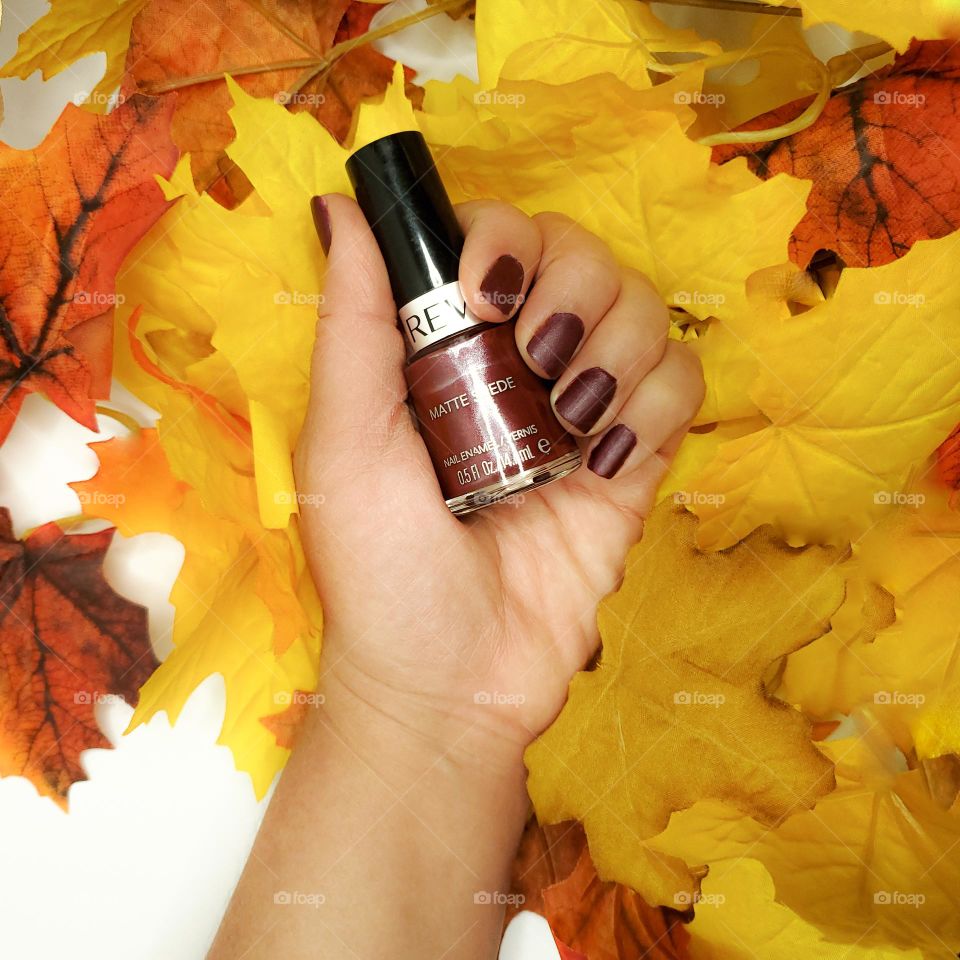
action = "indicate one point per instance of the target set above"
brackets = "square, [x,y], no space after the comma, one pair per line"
[738,6]
[319,63]
[124,419]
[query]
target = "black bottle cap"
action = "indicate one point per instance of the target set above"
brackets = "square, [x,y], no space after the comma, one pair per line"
[401,195]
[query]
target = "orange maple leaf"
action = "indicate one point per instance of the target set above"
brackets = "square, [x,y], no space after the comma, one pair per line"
[71,211]
[67,642]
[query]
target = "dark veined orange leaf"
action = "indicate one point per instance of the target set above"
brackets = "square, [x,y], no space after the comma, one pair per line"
[884,157]
[70,211]
[67,642]
[175,40]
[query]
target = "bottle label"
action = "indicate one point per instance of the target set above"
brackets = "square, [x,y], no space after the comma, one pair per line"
[484,416]
[435,315]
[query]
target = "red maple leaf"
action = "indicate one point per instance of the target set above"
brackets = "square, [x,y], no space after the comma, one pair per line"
[67,642]
[884,157]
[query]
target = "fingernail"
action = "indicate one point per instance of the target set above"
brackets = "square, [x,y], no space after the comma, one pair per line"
[552,347]
[321,220]
[584,401]
[502,284]
[610,454]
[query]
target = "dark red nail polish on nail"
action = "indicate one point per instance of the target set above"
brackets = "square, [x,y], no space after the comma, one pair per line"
[484,416]
[321,220]
[610,454]
[502,284]
[552,347]
[585,400]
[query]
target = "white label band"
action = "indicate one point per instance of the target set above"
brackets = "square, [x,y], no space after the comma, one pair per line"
[435,315]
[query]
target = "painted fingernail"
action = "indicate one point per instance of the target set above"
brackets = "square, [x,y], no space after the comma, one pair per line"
[321,220]
[552,347]
[584,401]
[610,454]
[503,283]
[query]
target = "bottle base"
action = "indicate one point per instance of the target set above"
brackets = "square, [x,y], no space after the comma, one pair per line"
[497,492]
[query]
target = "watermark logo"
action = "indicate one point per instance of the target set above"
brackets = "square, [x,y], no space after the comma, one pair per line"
[697,698]
[298,298]
[98,298]
[897,898]
[297,99]
[698,298]
[286,498]
[683,899]
[499,698]
[97,99]
[101,498]
[488,897]
[898,697]
[497,98]
[898,298]
[95,697]
[296,698]
[296,898]
[898,498]
[696,498]
[899,98]
[698,98]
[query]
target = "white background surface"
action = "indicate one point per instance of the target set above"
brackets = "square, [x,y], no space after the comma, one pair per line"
[143,865]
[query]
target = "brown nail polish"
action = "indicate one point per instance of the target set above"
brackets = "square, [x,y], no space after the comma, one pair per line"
[484,416]
[610,454]
[585,400]
[552,347]
[502,284]
[321,220]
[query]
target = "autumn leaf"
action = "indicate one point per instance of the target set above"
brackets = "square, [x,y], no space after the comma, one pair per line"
[884,159]
[738,918]
[71,30]
[856,391]
[67,642]
[872,865]
[224,621]
[925,19]
[553,875]
[175,40]
[675,710]
[73,208]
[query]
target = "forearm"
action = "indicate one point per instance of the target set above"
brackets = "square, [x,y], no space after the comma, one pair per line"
[388,839]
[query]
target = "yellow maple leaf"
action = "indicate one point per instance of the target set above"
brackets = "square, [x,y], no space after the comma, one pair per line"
[872,864]
[70,30]
[893,647]
[738,918]
[897,24]
[675,710]
[857,391]
[618,161]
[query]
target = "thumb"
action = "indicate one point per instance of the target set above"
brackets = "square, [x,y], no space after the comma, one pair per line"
[358,428]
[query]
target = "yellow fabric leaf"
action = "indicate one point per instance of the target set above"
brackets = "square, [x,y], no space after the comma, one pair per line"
[857,390]
[738,918]
[894,644]
[675,709]
[561,41]
[895,23]
[70,30]
[872,864]
[619,163]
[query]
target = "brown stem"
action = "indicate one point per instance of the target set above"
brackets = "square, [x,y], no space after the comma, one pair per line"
[319,63]
[738,6]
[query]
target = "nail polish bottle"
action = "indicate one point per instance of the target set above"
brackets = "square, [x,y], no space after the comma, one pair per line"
[484,416]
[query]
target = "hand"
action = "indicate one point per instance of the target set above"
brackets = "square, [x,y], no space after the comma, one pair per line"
[471,629]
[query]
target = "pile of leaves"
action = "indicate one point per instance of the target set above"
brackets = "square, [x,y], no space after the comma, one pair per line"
[763,760]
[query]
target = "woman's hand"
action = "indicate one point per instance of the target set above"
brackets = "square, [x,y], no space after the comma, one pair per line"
[480,624]
[448,644]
